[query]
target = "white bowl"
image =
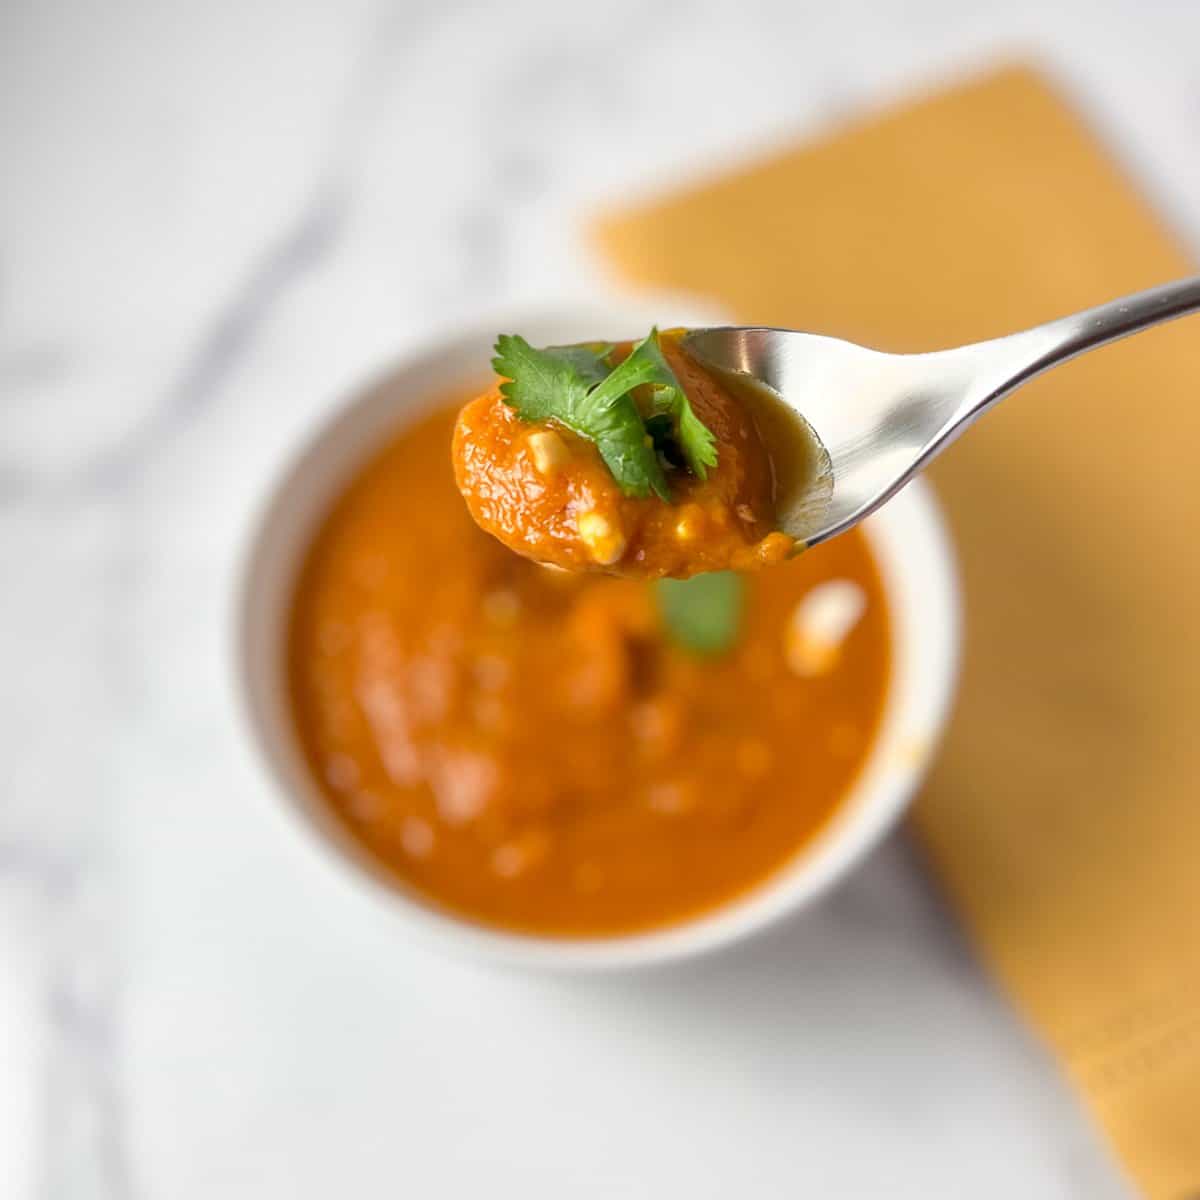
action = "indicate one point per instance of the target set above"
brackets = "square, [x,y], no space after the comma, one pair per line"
[910,546]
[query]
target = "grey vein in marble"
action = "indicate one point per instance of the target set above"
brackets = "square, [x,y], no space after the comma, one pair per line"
[300,250]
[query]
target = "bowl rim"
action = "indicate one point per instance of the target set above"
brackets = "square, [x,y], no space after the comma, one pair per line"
[908,540]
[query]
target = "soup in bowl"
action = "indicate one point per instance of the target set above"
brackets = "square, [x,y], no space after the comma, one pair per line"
[570,769]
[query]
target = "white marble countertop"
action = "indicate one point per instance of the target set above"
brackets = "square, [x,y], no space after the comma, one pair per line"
[214,217]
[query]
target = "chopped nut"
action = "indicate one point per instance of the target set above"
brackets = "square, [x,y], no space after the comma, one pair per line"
[603,538]
[776,547]
[689,525]
[549,451]
[463,785]
[820,624]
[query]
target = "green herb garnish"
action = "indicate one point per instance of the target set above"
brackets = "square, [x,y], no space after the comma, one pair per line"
[702,614]
[590,359]
[564,384]
[575,386]
[646,365]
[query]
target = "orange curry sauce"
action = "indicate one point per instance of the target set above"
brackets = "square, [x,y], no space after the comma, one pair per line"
[546,493]
[525,747]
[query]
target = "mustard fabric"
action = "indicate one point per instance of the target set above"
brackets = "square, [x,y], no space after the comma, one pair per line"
[1063,817]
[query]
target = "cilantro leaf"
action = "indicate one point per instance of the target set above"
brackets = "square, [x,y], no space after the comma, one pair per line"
[576,386]
[646,365]
[561,384]
[590,359]
[620,436]
[537,382]
[695,439]
[702,615]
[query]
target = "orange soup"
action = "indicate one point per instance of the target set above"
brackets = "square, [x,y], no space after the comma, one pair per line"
[534,749]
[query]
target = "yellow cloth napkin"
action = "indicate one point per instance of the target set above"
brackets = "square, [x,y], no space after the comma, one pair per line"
[1064,813]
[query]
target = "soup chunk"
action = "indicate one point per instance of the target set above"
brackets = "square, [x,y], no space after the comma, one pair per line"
[604,503]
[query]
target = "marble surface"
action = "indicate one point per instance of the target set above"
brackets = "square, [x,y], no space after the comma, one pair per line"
[214,218]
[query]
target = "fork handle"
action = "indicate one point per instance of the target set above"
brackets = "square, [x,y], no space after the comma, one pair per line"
[1018,357]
